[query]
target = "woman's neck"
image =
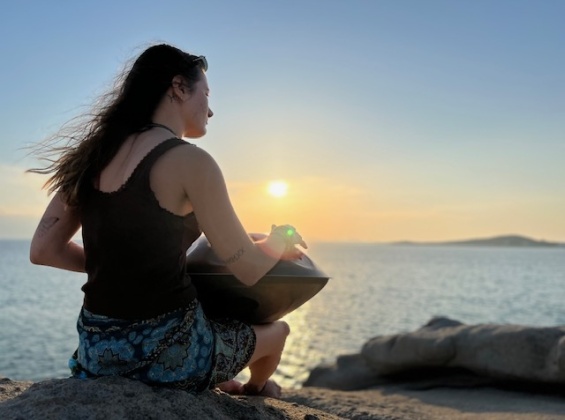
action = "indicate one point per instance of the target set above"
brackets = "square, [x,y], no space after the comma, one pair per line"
[157,125]
[167,115]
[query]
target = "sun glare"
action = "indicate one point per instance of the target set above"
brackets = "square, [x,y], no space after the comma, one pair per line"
[277,188]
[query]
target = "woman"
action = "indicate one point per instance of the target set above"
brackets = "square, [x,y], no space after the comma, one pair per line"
[142,196]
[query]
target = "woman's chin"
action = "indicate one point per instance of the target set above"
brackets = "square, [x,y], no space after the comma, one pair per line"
[195,134]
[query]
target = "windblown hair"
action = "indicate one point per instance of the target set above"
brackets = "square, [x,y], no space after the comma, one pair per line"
[92,140]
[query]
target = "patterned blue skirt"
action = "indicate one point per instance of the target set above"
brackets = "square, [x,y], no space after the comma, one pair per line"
[181,349]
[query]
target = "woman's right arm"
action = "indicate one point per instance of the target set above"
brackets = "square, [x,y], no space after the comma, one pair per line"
[204,184]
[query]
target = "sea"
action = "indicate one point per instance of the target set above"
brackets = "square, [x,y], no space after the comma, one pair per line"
[375,289]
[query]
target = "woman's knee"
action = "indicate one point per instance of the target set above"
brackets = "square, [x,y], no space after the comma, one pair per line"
[273,335]
[281,329]
[285,328]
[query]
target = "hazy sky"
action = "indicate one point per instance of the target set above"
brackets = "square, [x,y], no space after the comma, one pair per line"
[389,120]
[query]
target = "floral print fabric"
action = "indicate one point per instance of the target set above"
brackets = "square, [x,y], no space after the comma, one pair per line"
[181,349]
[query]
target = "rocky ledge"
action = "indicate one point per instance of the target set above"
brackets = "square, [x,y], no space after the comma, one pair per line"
[448,352]
[444,370]
[118,398]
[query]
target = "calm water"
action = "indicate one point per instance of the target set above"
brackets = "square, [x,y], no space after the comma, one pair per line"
[374,290]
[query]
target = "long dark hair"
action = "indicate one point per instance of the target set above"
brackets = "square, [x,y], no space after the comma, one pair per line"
[92,140]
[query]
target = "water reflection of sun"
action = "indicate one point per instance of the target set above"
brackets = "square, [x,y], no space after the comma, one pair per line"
[277,188]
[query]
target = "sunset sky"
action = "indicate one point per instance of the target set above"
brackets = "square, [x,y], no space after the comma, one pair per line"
[387,120]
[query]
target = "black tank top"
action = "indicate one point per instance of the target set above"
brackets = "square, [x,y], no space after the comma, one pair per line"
[135,249]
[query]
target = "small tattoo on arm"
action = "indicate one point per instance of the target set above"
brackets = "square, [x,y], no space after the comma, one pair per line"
[235,256]
[45,224]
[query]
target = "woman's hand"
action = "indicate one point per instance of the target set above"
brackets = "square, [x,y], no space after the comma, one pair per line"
[292,254]
[291,238]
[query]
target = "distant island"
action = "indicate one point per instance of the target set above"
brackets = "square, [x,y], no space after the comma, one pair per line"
[505,240]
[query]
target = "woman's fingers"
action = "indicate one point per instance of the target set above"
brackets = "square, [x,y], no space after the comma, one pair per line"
[299,241]
[292,254]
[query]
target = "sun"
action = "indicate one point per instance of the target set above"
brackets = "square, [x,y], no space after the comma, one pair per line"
[277,188]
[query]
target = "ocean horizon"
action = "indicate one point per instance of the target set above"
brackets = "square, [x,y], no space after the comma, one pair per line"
[375,289]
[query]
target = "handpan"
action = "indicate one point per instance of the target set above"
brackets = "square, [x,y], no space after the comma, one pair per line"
[287,286]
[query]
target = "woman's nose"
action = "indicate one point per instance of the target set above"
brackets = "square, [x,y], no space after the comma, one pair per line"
[210,113]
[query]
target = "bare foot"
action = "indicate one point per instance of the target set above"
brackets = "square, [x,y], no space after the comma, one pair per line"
[232,387]
[270,389]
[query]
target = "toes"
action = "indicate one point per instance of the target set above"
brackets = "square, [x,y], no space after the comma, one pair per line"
[232,387]
[270,389]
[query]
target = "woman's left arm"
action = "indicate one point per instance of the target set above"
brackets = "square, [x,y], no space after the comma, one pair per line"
[52,243]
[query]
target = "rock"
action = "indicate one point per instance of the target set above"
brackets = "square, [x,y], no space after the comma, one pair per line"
[115,398]
[10,389]
[350,372]
[393,403]
[508,352]
[119,398]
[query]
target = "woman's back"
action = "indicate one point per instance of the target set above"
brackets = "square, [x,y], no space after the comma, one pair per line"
[165,180]
[135,247]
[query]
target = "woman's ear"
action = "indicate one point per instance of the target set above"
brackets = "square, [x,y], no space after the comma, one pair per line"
[179,87]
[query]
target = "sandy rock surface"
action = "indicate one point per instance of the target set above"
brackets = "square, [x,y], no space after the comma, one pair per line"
[397,402]
[117,398]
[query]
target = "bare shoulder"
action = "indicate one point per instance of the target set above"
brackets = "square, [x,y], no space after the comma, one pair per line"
[192,158]
[191,166]
[192,152]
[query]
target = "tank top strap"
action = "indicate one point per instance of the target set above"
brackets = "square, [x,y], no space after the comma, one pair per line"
[143,170]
